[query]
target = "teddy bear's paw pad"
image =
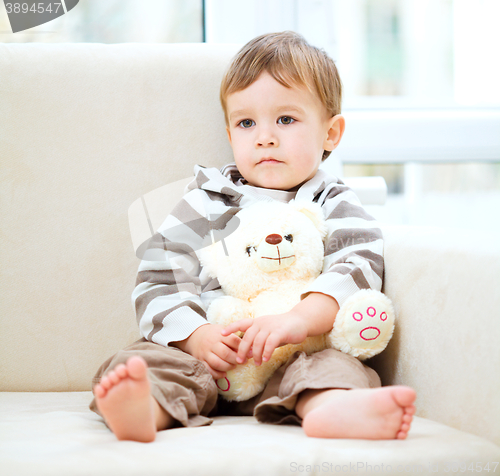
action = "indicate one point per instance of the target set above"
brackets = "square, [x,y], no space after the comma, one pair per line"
[367,325]
[374,321]
[372,330]
[223,384]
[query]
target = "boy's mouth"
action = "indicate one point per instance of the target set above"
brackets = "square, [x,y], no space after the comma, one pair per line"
[269,160]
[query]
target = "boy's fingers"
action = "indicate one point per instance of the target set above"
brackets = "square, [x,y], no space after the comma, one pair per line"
[245,345]
[242,352]
[215,375]
[258,346]
[225,353]
[242,326]
[271,344]
[232,341]
[219,364]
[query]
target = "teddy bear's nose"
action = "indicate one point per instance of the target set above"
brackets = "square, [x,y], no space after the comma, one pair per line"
[273,239]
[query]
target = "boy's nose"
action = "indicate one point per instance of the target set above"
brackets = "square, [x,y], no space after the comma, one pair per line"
[266,139]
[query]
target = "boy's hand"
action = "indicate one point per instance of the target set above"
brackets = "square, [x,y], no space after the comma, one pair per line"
[266,333]
[314,315]
[216,351]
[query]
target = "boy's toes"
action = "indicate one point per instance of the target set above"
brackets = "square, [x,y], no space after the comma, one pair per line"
[106,383]
[402,435]
[407,418]
[405,396]
[121,370]
[113,377]
[405,427]
[137,367]
[410,410]
[99,391]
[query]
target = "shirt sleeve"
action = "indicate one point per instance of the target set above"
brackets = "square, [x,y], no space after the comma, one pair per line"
[171,293]
[354,247]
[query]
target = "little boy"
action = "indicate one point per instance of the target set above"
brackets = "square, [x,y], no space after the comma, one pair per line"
[281,99]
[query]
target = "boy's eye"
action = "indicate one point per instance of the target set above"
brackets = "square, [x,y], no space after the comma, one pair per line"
[286,120]
[246,123]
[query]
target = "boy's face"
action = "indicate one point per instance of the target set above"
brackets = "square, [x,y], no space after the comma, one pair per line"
[278,134]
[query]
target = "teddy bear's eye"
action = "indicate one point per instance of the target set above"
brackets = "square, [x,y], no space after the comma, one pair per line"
[289,238]
[249,248]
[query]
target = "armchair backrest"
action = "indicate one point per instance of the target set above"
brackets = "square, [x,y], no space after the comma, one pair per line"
[85,129]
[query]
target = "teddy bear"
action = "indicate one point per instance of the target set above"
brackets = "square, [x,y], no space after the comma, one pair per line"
[272,253]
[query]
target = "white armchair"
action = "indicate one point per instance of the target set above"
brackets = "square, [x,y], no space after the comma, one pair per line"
[86,130]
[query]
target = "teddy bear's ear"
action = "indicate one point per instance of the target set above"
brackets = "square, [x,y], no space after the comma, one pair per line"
[314,212]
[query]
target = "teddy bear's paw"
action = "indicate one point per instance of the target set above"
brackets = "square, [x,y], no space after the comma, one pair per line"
[248,380]
[364,324]
[238,387]
[231,389]
[223,384]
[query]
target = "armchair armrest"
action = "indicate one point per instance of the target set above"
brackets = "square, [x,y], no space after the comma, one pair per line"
[444,284]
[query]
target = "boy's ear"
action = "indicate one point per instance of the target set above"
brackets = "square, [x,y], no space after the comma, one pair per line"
[228,134]
[336,127]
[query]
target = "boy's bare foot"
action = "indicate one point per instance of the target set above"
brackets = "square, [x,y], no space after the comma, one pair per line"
[380,413]
[124,399]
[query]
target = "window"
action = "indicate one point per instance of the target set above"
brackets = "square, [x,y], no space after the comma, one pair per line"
[390,53]
[117,21]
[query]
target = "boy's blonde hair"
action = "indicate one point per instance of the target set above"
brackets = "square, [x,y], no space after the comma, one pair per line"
[291,61]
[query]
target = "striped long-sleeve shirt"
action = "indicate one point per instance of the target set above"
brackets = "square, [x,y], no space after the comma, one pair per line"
[173,292]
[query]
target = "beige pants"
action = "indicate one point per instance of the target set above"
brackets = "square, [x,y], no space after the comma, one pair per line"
[185,389]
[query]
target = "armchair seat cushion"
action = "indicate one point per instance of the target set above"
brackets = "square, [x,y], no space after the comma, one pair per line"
[51,434]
